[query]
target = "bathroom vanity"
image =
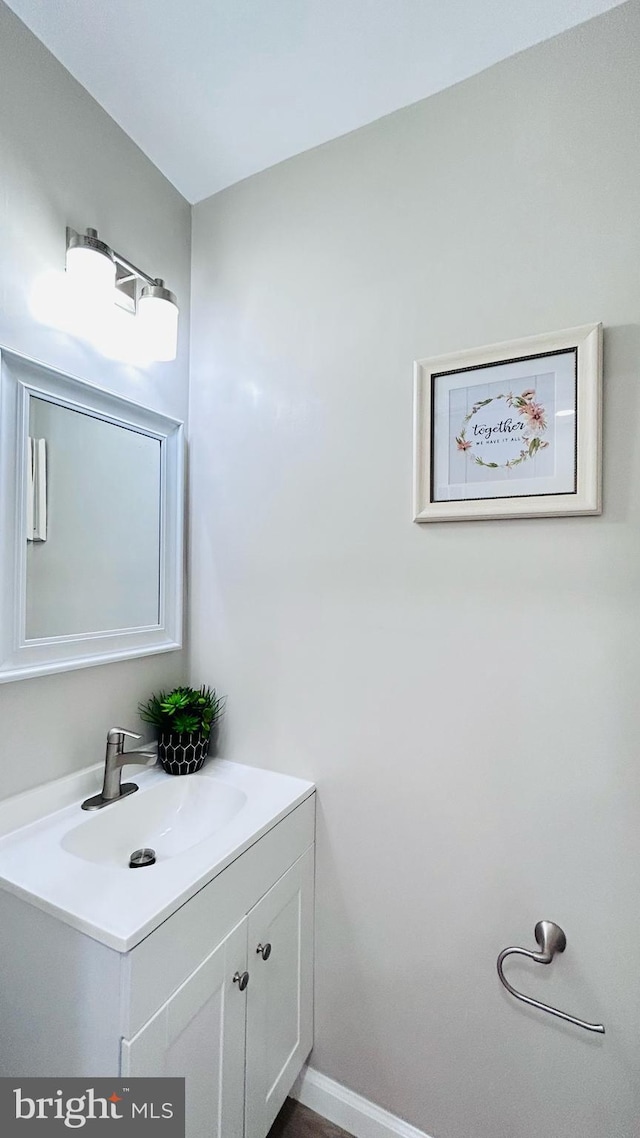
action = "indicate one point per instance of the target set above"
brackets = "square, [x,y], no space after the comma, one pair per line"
[197,961]
[200,965]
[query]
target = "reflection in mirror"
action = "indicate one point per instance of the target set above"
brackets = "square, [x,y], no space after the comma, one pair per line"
[93,528]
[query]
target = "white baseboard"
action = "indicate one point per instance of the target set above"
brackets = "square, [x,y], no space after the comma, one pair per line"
[345,1108]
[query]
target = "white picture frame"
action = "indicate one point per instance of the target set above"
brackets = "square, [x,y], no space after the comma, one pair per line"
[22,379]
[511,430]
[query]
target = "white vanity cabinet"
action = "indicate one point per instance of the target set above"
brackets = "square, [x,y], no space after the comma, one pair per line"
[199,1034]
[223,1037]
[280,994]
[176,1003]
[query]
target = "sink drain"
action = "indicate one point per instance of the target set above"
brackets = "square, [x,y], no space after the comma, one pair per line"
[140,858]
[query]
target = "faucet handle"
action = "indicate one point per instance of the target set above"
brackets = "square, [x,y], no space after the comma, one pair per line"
[117,735]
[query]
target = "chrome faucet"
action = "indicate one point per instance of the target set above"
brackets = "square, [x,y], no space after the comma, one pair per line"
[115,759]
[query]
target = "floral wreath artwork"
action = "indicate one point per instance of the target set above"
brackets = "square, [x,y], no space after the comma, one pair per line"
[534,423]
[510,430]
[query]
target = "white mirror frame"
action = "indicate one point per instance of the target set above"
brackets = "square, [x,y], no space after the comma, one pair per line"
[21,379]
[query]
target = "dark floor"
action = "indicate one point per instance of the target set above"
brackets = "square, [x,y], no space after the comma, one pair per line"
[296,1121]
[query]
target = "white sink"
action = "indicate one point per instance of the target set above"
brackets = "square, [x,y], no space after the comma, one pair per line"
[170,817]
[76,866]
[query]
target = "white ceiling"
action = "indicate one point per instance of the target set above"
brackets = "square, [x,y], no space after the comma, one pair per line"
[215,90]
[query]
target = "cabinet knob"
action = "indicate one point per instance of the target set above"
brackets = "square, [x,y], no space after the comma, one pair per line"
[241,979]
[264,950]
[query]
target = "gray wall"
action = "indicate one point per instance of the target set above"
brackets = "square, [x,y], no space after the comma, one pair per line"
[63,161]
[465,695]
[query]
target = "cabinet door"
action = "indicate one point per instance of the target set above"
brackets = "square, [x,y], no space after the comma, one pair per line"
[280,994]
[199,1034]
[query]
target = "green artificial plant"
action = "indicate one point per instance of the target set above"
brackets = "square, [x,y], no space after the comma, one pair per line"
[183,710]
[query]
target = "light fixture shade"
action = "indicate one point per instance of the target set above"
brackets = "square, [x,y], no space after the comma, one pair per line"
[158,317]
[91,266]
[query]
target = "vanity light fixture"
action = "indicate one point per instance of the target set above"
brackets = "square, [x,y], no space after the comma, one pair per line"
[100,273]
[90,263]
[158,316]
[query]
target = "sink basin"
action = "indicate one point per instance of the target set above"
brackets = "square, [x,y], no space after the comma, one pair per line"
[76,865]
[171,817]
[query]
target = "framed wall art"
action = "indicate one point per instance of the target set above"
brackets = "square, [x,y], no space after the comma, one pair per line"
[510,431]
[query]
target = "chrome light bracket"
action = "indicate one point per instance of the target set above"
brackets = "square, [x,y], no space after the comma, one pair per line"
[130,280]
[88,240]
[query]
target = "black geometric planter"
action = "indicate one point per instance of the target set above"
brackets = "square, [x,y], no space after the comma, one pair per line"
[182,754]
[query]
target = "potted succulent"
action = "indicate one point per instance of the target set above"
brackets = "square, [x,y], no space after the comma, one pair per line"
[184,718]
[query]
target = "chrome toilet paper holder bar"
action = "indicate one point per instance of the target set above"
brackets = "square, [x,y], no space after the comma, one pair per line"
[551,939]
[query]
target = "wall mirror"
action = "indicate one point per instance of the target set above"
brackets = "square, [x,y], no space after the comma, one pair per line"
[91,524]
